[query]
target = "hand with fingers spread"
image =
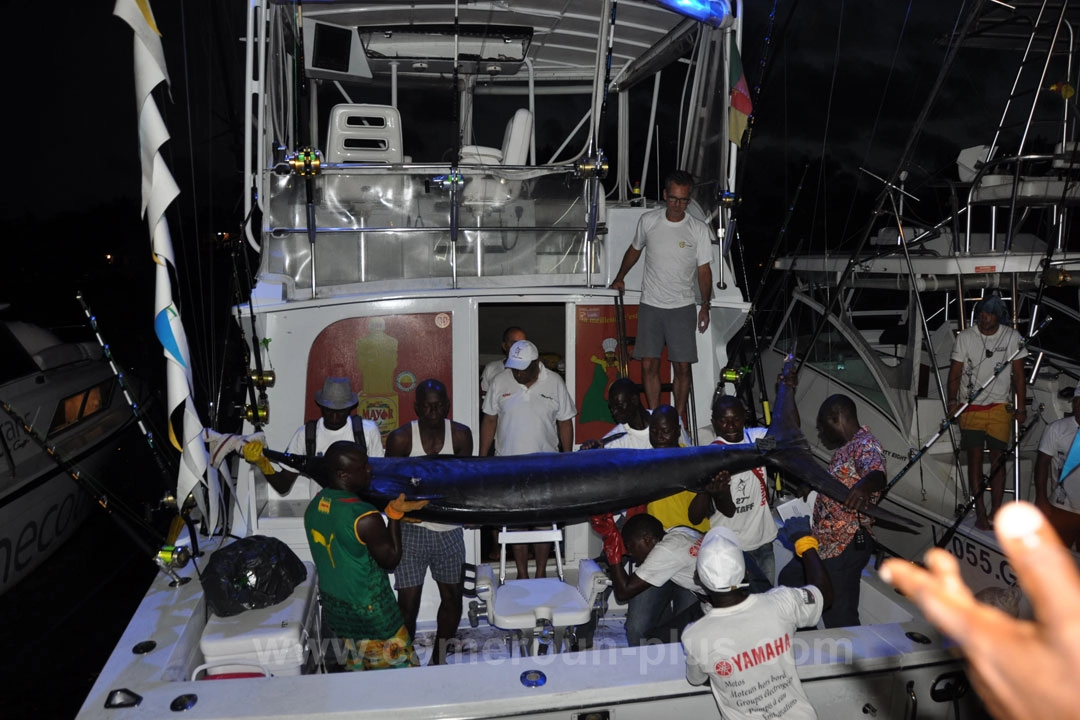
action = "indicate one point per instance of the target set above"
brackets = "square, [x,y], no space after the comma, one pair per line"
[399,506]
[1022,669]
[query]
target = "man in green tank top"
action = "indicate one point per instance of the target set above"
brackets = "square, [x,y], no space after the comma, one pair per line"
[353,550]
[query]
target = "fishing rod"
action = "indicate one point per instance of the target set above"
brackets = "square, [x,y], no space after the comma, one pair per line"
[167,471]
[167,558]
[985,482]
[950,419]
[905,159]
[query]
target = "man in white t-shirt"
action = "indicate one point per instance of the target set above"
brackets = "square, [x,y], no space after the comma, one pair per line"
[510,336]
[661,557]
[742,646]
[988,422]
[1059,463]
[337,403]
[740,502]
[678,250]
[427,544]
[527,410]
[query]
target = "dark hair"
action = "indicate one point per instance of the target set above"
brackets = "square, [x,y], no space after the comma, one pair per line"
[431,385]
[510,331]
[642,526]
[839,405]
[624,385]
[722,402]
[678,177]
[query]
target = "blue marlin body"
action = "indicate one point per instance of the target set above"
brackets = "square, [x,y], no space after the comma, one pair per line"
[566,487]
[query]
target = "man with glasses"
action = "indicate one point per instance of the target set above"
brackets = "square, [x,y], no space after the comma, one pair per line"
[678,251]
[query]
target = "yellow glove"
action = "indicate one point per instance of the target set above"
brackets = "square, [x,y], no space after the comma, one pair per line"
[253,453]
[396,508]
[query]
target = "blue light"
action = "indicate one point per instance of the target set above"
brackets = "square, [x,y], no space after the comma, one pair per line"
[533,678]
[714,12]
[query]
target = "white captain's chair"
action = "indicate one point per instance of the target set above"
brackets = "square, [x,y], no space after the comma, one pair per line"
[364,134]
[540,611]
[517,138]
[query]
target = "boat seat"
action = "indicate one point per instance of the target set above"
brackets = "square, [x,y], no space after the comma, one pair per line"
[364,134]
[541,612]
[517,138]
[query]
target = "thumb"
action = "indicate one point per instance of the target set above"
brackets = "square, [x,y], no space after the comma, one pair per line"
[1044,568]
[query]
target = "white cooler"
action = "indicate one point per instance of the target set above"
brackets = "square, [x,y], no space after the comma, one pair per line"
[274,638]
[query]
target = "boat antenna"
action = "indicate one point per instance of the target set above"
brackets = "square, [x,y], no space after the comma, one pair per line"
[902,165]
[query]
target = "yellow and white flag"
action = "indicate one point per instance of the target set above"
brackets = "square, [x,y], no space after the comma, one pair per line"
[158,192]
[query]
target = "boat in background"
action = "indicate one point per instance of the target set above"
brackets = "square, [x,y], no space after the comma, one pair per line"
[879,324]
[67,393]
[388,264]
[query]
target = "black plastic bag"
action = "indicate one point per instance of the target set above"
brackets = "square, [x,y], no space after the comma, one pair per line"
[253,572]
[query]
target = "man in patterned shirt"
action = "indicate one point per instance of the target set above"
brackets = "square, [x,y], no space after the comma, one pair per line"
[843,533]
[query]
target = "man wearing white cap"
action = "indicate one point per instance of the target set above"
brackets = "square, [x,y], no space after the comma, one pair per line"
[337,402]
[742,646]
[1059,462]
[527,410]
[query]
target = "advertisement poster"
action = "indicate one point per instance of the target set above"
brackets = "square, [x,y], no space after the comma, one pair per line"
[384,357]
[597,366]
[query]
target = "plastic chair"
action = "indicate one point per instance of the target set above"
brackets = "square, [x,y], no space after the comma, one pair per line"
[364,134]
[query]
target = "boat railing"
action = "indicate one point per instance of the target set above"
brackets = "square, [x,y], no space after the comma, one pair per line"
[1036,179]
[436,226]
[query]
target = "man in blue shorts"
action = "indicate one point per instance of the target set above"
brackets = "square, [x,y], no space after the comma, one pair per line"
[678,250]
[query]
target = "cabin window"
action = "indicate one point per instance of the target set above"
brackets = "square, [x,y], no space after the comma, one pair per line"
[80,406]
[832,354]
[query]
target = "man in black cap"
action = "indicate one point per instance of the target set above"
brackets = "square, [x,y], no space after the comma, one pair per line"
[987,422]
[337,403]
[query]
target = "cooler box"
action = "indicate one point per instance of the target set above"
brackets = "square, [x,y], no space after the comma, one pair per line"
[275,637]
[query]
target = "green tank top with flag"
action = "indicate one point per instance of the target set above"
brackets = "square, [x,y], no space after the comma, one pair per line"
[355,592]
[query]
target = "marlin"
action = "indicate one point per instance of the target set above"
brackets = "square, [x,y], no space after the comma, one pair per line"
[567,487]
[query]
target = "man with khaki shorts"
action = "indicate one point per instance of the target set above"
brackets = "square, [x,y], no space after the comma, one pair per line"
[988,421]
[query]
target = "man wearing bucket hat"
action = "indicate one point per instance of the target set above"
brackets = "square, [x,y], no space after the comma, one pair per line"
[987,422]
[527,410]
[336,402]
[742,646]
[1058,462]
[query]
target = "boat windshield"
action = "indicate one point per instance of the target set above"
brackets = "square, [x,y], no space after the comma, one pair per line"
[833,354]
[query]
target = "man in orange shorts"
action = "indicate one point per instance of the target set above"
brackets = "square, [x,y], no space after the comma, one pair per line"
[987,422]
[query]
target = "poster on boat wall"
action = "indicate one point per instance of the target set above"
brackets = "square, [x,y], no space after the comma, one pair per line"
[597,366]
[385,358]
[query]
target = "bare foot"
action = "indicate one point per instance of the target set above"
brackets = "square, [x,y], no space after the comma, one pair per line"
[981,523]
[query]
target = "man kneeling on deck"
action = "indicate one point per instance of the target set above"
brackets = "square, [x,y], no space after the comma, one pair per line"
[742,646]
[353,551]
[660,557]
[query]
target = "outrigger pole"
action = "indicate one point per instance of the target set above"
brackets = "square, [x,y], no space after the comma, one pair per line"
[950,419]
[905,159]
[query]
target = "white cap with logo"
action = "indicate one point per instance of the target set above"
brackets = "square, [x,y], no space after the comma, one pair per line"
[521,355]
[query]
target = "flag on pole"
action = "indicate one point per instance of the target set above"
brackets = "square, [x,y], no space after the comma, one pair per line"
[740,108]
[158,192]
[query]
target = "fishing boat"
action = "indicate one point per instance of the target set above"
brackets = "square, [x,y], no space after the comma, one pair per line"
[388,260]
[878,323]
[61,408]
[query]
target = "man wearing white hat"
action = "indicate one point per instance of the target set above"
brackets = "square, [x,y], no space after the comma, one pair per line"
[337,403]
[742,646]
[527,410]
[1059,462]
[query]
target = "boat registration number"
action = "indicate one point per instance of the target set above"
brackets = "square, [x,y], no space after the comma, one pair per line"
[980,558]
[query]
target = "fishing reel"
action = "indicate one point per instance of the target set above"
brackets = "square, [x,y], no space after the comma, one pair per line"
[596,166]
[169,559]
[258,414]
[735,375]
[305,162]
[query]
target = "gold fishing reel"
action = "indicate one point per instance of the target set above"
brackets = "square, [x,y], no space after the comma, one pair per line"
[305,161]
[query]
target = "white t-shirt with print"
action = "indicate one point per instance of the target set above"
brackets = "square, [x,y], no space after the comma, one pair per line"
[673,558]
[673,253]
[971,349]
[745,654]
[527,415]
[753,522]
